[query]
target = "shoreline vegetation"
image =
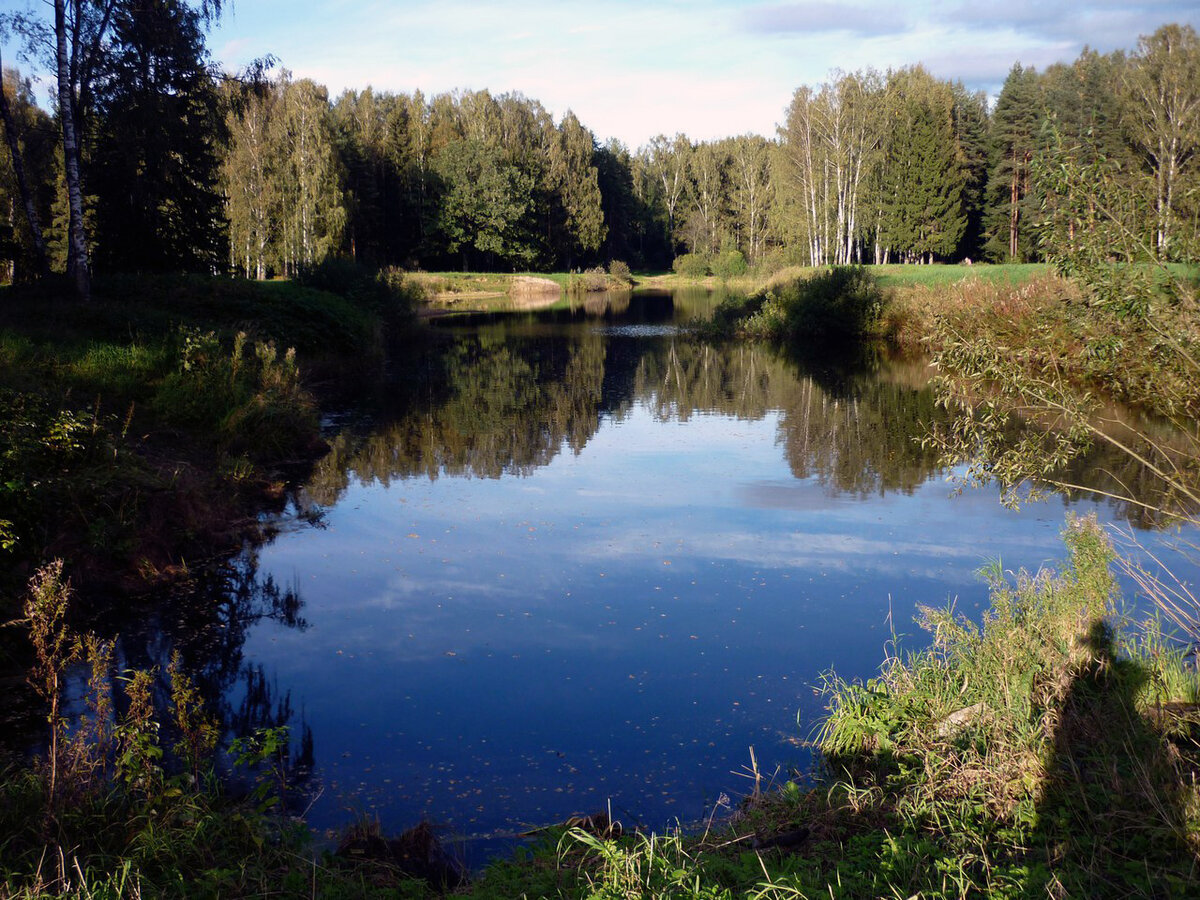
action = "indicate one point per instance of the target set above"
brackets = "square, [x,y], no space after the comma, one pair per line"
[148,421]
[1016,758]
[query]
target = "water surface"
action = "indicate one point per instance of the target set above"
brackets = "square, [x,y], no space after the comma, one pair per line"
[569,561]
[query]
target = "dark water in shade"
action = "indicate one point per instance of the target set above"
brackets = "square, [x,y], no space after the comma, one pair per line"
[570,560]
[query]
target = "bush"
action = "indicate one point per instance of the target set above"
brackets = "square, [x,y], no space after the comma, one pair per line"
[691,265]
[619,270]
[595,279]
[844,303]
[730,264]
[248,399]
[840,305]
[384,292]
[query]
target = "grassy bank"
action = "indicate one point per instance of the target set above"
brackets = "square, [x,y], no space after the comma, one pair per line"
[142,429]
[484,291]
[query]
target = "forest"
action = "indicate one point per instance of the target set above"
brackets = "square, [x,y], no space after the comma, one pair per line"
[173,164]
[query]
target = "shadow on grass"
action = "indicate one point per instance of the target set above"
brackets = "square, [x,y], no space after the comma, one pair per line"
[1113,817]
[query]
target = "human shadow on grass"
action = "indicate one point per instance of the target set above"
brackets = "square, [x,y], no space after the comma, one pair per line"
[1112,819]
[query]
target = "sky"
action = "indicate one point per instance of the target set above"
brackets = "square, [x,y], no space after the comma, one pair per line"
[633,69]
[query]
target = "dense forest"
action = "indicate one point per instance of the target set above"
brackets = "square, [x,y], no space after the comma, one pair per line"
[171,163]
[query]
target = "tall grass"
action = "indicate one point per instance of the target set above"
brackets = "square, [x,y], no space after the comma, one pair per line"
[114,809]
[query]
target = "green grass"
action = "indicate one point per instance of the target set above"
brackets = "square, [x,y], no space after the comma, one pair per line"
[891,276]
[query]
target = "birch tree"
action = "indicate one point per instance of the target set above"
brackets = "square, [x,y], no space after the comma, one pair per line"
[308,177]
[248,178]
[1162,87]
[751,189]
[831,141]
[666,162]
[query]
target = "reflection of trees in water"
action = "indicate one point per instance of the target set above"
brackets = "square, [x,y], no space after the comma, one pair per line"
[856,430]
[867,442]
[499,402]
[206,619]
[1145,498]
[488,408]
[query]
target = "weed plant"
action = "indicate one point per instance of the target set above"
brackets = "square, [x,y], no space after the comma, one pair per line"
[248,399]
[115,810]
[133,427]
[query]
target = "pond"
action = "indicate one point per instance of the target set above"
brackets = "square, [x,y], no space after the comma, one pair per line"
[568,561]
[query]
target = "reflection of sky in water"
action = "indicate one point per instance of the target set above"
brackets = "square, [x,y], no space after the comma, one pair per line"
[622,624]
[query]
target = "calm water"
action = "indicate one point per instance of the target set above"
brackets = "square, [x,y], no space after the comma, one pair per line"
[568,559]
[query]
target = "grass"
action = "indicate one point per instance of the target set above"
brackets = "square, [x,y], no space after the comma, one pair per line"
[119,418]
[895,276]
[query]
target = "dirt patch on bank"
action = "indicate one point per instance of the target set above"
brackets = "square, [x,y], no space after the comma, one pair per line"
[531,285]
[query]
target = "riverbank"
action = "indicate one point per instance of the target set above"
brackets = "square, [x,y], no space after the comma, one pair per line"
[834,835]
[146,430]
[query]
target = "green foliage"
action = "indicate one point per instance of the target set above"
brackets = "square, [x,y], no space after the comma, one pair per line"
[155,169]
[387,293]
[483,205]
[249,399]
[1028,368]
[40,446]
[153,356]
[1014,737]
[619,270]
[648,866]
[691,265]
[730,264]
[921,211]
[111,812]
[844,303]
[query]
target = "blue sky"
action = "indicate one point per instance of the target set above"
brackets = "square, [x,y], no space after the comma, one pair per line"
[631,70]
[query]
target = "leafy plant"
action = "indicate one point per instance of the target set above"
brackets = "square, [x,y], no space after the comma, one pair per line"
[691,265]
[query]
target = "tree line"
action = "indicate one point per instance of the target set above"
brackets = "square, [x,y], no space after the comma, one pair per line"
[154,159]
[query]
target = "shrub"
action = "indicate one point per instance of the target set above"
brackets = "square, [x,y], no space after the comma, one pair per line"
[843,303]
[730,264]
[619,269]
[839,305]
[595,279]
[386,292]
[249,398]
[691,265]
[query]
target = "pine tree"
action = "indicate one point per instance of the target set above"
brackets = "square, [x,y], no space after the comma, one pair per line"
[1015,125]
[155,170]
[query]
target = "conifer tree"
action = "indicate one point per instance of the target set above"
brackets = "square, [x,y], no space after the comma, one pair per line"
[155,169]
[922,214]
[1015,124]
